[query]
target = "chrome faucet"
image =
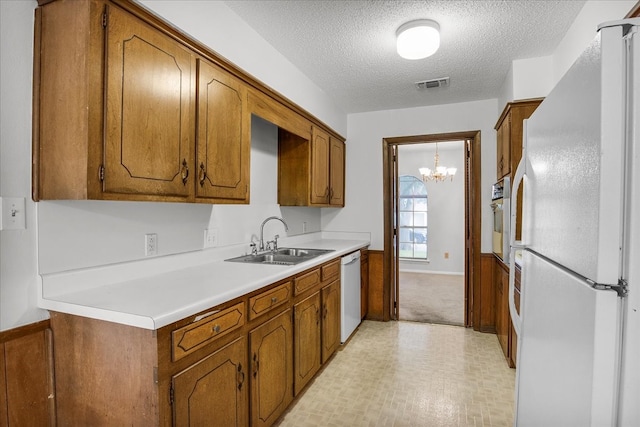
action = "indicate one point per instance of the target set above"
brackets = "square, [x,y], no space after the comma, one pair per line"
[286,228]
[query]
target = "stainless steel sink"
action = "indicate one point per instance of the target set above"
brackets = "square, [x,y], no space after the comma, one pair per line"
[283,256]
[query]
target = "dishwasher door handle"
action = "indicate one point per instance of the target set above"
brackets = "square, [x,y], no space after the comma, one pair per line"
[351,258]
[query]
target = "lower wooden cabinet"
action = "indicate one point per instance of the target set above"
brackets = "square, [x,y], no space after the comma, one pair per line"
[306,341]
[271,358]
[502,308]
[214,391]
[330,319]
[237,364]
[504,328]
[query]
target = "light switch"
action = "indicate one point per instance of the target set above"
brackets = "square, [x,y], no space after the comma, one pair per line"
[13,213]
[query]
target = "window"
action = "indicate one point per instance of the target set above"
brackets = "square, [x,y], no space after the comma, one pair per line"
[412,200]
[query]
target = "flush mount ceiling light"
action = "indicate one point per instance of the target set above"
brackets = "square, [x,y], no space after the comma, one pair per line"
[418,39]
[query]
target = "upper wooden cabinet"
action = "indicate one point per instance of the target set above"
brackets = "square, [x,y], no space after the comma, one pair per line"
[128,108]
[114,108]
[310,173]
[224,129]
[337,172]
[320,152]
[509,135]
[149,110]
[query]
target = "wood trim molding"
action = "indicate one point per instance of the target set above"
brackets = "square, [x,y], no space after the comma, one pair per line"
[23,331]
[472,215]
[634,12]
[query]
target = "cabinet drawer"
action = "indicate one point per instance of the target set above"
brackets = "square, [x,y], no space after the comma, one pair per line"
[192,337]
[306,281]
[331,270]
[268,300]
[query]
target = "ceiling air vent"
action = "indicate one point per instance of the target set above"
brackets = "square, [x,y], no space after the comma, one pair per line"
[430,84]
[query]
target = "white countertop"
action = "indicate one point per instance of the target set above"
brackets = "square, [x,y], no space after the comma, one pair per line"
[153,293]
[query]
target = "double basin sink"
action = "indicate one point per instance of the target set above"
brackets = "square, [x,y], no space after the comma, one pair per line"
[283,256]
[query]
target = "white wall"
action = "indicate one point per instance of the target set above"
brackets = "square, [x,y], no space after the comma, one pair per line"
[584,29]
[445,206]
[535,77]
[18,272]
[364,206]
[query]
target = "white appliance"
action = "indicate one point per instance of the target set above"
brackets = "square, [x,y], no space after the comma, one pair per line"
[349,294]
[578,361]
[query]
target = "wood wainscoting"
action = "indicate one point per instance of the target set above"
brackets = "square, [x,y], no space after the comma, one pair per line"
[484,318]
[26,376]
[376,309]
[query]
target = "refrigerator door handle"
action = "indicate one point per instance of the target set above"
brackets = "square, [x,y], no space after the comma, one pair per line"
[515,245]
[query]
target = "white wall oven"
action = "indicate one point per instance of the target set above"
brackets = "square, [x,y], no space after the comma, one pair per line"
[501,216]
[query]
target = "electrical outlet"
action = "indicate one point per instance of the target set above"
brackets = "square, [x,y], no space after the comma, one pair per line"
[150,244]
[210,237]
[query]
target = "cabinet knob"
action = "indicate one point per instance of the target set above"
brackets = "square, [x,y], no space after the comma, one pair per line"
[184,171]
[274,300]
[203,174]
[216,328]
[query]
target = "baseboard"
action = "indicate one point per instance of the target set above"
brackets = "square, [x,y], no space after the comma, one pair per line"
[447,273]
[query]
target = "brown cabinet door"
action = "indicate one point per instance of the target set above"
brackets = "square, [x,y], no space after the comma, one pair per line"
[224,124]
[213,391]
[503,148]
[330,319]
[319,167]
[337,173]
[149,110]
[306,341]
[271,359]
[502,309]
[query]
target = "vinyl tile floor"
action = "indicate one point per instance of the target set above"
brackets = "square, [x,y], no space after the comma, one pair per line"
[410,374]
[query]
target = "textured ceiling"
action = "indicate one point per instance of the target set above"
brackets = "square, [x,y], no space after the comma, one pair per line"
[348,47]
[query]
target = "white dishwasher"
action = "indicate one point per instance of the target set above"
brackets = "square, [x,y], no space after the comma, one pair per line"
[349,294]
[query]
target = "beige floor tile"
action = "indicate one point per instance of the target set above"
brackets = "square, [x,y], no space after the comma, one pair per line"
[410,374]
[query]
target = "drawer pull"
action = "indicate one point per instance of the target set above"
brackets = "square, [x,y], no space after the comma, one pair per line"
[216,328]
[274,300]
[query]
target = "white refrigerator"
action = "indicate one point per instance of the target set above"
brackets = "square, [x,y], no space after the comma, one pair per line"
[578,361]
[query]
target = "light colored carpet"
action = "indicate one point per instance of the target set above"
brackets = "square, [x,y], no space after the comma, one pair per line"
[431,298]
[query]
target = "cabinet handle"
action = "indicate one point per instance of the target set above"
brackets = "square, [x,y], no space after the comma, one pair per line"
[240,376]
[216,328]
[326,192]
[274,300]
[184,171]
[256,365]
[317,316]
[325,310]
[203,174]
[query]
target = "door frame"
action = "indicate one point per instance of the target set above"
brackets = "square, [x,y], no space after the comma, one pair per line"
[473,220]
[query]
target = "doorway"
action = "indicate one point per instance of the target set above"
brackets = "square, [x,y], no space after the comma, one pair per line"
[472,220]
[431,234]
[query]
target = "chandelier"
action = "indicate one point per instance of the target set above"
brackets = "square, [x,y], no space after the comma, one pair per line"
[438,173]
